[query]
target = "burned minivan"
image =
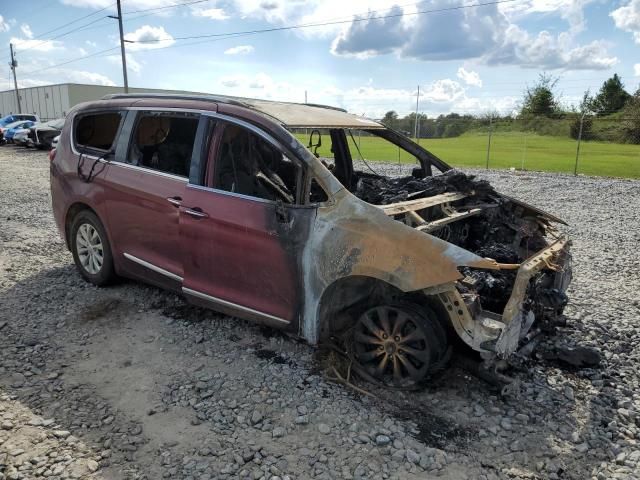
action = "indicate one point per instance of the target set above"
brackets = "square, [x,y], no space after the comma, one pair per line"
[260,210]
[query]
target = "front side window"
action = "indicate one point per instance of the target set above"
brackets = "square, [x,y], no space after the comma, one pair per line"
[95,131]
[164,142]
[249,165]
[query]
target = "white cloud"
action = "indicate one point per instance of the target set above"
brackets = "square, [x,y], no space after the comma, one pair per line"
[149,38]
[132,64]
[570,10]
[4,26]
[261,81]
[81,76]
[26,30]
[212,13]
[91,44]
[484,33]
[627,18]
[239,50]
[37,45]
[443,91]
[551,52]
[369,35]
[231,81]
[469,77]
[636,69]
[61,75]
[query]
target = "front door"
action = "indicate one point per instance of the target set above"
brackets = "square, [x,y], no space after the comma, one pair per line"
[146,186]
[242,233]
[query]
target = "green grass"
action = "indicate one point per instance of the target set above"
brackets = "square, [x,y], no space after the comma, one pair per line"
[508,149]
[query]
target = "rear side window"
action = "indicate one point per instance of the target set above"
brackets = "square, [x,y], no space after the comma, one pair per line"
[164,142]
[97,131]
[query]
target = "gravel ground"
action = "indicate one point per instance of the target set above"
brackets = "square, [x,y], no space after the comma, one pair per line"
[131,382]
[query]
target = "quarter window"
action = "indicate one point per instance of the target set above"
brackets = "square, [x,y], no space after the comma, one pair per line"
[97,131]
[164,142]
[249,165]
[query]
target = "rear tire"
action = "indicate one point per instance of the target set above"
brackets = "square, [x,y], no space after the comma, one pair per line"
[91,250]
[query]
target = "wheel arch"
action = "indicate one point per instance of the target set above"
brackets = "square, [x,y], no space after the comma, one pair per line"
[347,297]
[72,212]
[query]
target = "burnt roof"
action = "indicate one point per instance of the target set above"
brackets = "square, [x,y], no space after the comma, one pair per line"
[304,115]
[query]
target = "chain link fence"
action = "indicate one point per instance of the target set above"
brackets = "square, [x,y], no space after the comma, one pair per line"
[575,144]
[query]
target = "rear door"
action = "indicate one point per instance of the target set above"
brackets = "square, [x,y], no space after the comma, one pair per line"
[243,229]
[146,186]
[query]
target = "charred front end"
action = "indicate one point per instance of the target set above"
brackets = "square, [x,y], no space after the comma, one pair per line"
[519,289]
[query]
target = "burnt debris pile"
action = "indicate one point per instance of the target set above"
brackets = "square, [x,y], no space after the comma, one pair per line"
[379,190]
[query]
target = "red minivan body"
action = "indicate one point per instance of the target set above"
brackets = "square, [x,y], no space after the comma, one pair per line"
[219,248]
[215,198]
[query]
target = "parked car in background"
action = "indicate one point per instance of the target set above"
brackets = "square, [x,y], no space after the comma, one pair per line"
[20,136]
[10,130]
[42,134]
[6,120]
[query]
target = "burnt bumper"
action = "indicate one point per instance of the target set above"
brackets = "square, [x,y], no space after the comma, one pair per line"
[555,257]
[500,334]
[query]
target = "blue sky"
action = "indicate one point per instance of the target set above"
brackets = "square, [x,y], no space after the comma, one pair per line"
[465,58]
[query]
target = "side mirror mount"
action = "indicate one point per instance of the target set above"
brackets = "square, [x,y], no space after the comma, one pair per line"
[317,145]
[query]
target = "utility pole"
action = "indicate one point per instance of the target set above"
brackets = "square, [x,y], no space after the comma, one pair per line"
[489,144]
[415,128]
[305,96]
[13,64]
[124,58]
[575,168]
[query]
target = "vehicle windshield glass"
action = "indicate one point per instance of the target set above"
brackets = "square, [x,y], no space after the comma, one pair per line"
[353,154]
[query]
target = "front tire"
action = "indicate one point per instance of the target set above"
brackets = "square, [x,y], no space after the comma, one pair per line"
[91,250]
[400,345]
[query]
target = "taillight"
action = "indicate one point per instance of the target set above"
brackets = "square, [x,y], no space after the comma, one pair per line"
[52,154]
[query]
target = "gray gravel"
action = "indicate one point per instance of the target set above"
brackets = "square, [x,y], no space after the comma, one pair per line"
[130,382]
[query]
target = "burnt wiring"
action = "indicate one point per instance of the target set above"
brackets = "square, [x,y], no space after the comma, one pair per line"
[360,154]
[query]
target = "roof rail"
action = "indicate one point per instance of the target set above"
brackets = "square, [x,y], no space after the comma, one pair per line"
[175,96]
[240,101]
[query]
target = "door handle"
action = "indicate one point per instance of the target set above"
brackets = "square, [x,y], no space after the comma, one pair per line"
[196,212]
[175,201]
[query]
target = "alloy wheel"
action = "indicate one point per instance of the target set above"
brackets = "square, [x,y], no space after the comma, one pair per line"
[89,248]
[392,345]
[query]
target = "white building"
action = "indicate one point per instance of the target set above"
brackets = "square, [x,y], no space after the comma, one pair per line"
[54,101]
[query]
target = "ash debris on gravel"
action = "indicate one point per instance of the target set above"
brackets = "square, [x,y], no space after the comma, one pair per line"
[148,387]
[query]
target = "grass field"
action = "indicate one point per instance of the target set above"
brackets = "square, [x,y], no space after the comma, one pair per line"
[512,149]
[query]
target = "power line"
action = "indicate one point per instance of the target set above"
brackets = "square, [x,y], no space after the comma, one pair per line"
[82,27]
[33,72]
[323,24]
[182,4]
[73,21]
[85,26]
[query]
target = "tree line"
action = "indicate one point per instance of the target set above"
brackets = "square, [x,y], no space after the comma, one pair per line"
[612,114]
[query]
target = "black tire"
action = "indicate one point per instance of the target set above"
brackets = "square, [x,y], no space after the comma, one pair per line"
[99,274]
[420,343]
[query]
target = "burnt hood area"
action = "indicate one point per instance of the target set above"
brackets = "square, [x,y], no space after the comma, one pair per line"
[478,219]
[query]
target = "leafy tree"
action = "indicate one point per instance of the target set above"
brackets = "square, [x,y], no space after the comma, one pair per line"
[582,116]
[390,119]
[541,99]
[612,96]
[631,122]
